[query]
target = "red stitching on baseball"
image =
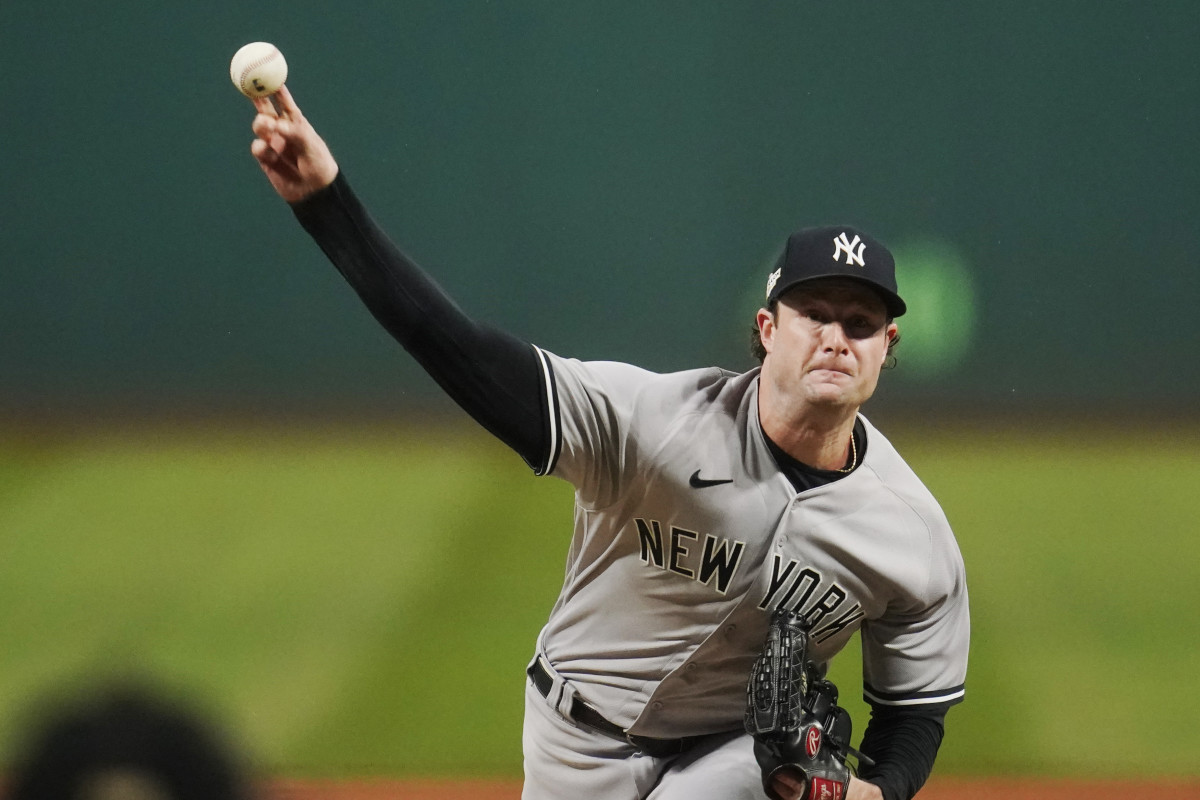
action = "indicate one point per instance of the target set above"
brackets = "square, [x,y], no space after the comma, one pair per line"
[255,65]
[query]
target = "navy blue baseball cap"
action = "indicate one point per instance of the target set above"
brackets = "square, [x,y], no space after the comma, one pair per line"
[836,252]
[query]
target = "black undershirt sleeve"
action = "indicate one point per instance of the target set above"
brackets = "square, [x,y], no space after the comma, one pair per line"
[494,376]
[903,742]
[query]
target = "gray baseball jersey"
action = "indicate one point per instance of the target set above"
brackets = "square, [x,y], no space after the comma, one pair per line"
[687,534]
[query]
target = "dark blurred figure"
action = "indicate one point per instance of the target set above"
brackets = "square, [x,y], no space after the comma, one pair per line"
[125,744]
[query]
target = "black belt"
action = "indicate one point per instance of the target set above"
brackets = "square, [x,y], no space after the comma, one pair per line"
[584,714]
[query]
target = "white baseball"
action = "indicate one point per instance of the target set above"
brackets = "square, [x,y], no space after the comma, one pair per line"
[258,69]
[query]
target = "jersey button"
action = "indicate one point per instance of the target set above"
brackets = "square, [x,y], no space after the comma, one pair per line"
[656,705]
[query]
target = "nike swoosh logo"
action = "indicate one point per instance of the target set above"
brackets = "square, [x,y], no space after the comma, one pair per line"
[696,482]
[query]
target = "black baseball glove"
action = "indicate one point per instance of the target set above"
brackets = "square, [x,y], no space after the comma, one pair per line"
[793,715]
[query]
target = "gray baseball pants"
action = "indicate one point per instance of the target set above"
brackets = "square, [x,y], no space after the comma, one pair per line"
[566,760]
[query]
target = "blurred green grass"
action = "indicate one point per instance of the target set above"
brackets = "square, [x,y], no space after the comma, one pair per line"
[363,601]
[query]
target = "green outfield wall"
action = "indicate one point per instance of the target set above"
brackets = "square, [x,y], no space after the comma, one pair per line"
[607,180]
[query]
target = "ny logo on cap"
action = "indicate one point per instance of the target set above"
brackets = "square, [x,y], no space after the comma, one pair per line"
[844,245]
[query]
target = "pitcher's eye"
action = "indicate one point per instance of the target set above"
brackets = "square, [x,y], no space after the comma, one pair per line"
[860,326]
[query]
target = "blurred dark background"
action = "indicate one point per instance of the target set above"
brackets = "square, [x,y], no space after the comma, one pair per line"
[610,181]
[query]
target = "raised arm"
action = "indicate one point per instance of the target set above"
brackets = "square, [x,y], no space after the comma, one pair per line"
[495,377]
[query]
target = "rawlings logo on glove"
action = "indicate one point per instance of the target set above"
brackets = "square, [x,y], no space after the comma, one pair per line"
[793,715]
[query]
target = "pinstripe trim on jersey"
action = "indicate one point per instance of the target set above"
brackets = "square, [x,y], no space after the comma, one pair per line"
[945,697]
[554,445]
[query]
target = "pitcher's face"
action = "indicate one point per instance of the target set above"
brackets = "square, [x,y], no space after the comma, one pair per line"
[826,343]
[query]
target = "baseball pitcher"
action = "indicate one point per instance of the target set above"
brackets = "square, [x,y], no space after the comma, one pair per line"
[732,531]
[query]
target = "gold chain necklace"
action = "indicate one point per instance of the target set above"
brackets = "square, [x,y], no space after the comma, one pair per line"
[853,455]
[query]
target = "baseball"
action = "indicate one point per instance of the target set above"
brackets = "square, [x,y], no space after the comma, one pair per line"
[258,69]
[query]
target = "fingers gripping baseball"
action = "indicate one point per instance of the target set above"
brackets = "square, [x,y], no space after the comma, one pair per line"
[293,156]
